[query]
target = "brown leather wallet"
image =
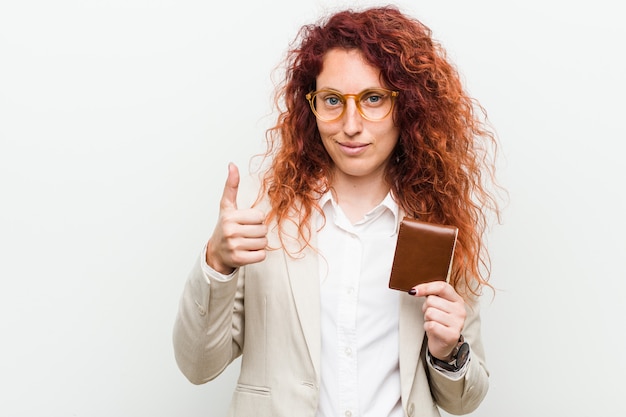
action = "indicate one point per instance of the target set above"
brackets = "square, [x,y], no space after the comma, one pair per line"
[424,253]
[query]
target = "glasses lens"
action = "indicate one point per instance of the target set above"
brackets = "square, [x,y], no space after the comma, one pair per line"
[373,104]
[327,105]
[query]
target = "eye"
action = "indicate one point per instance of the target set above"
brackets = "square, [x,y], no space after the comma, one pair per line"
[332,100]
[373,98]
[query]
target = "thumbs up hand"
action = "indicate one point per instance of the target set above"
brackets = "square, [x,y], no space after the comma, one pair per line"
[240,236]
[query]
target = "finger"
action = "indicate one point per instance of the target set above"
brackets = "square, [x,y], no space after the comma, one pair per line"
[234,234]
[248,257]
[440,316]
[251,216]
[229,196]
[252,244]
[439,288]
[438,303]
[254,231]
[440,332]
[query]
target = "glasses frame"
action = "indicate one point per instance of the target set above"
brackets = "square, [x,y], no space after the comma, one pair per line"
[357,100]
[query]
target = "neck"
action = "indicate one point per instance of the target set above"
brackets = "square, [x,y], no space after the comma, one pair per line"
[357,197]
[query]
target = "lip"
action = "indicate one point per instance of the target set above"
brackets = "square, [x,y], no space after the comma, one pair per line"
[352,149]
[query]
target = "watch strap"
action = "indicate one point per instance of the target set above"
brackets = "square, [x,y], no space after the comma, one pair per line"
[458,358]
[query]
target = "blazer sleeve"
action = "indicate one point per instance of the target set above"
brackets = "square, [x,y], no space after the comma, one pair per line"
[464,395]
[208,330]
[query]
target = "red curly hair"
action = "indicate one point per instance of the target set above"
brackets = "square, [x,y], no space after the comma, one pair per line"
[442,154]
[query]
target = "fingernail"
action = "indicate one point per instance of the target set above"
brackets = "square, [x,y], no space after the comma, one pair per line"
[412,291]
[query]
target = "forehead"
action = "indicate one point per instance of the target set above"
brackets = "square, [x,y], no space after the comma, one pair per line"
[346,70]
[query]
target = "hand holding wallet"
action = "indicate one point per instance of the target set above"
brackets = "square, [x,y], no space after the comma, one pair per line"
[424,253]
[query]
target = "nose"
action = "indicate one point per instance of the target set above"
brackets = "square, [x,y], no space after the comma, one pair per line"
[352,119]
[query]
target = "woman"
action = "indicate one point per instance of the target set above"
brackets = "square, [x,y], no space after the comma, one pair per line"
[375,126]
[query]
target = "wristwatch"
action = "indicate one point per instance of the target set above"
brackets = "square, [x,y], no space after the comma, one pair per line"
[459,357]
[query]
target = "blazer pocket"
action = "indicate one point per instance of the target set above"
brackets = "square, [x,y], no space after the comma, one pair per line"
[252,400]
[252,389]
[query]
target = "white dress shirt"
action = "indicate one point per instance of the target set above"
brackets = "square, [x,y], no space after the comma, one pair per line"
[359,371]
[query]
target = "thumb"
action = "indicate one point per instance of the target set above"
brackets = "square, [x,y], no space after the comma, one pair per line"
[229,197]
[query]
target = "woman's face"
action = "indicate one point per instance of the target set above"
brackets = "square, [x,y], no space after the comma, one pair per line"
[359,148]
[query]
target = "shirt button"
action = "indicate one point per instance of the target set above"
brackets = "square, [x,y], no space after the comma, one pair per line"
[348,353]
[348,413]
[350,290]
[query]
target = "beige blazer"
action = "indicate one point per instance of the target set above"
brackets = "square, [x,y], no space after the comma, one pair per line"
[270,314]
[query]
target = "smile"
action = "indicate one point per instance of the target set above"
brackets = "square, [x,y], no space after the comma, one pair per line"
[352,149]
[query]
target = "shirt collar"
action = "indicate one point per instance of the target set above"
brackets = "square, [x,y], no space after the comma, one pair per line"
[388,203]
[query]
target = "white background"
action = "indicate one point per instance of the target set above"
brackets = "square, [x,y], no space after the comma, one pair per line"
[118,119]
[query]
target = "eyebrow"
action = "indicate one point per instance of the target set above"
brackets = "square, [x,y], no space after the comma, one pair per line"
[341,92]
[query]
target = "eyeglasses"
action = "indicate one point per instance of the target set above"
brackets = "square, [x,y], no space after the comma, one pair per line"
[373,104]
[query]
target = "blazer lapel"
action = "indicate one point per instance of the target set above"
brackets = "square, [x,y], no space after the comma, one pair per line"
[302,269]
[411,329]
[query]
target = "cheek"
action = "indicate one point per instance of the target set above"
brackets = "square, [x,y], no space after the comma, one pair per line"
[327,133]
[391,137]
[325,129]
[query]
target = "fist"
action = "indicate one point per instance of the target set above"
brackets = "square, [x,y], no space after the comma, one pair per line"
[240,235]
[444,317]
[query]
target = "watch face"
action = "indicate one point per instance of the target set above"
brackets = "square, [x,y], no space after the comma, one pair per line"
[462,355]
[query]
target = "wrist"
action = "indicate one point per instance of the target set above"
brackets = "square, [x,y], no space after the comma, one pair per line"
[456,359]
[213,262]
